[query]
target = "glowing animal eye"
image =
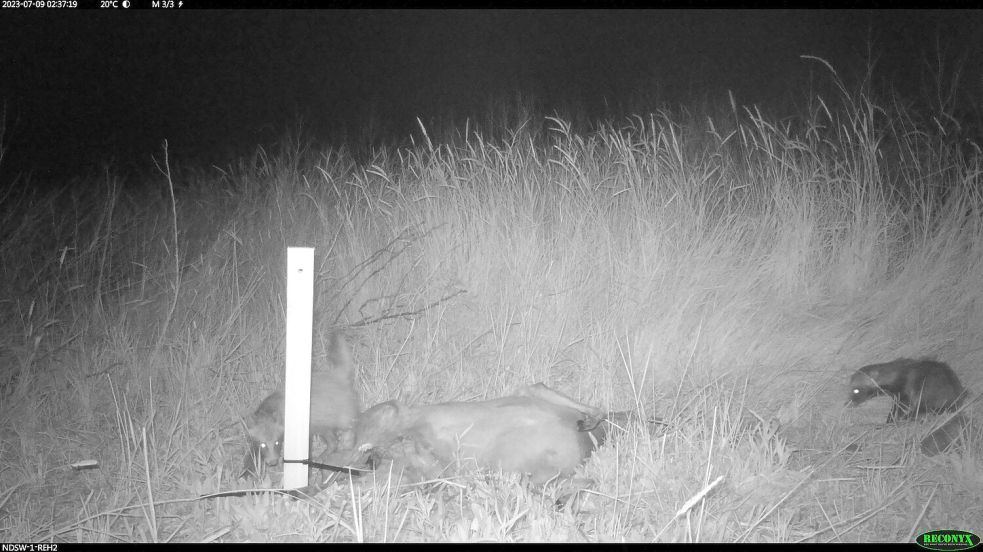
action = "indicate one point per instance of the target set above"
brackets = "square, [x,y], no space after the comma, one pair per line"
[855,391]
[262,445]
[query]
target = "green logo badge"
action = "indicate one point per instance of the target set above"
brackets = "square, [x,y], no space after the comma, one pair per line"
[947,540]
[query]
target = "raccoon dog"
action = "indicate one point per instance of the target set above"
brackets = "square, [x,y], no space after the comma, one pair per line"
[334,409]
[916,386]
[536,431]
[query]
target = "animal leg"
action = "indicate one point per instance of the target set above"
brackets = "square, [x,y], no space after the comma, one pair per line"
[900,411]
[894,414]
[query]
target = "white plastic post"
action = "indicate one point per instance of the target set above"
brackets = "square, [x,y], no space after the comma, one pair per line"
[297,382]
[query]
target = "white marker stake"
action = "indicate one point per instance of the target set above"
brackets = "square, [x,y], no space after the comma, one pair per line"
[297,385]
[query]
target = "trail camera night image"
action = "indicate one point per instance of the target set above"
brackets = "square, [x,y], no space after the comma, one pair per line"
[429,274]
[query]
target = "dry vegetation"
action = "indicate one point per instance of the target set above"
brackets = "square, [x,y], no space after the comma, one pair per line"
[725,273]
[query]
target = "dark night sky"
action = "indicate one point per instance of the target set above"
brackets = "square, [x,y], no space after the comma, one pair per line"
[81,87]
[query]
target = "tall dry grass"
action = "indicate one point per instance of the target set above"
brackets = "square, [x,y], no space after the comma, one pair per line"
[724,273]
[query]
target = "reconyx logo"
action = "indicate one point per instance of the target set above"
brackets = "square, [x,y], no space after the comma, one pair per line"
[947,539]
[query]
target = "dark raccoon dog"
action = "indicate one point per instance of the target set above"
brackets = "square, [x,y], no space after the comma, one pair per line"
[917,387]
[334,410]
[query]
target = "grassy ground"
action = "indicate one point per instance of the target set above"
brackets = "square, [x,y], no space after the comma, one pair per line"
[726,274]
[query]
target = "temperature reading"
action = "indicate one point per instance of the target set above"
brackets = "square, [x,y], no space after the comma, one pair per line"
[108,3]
